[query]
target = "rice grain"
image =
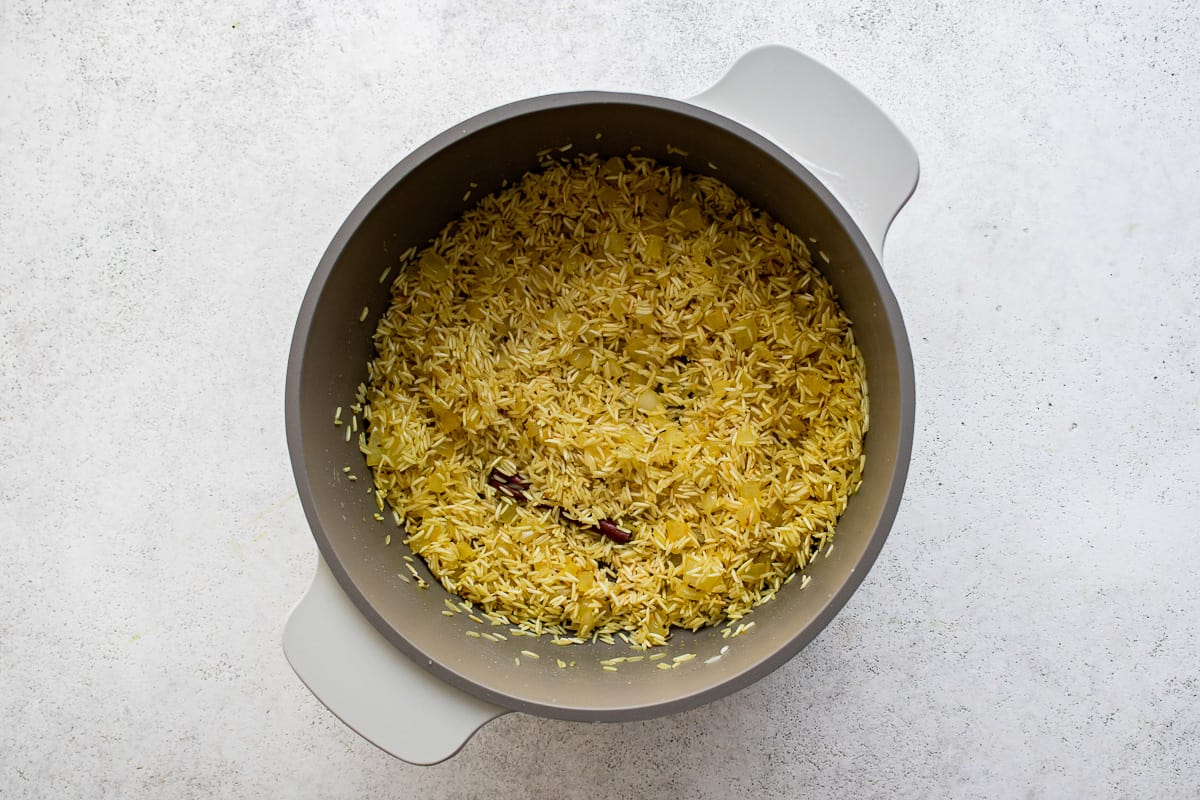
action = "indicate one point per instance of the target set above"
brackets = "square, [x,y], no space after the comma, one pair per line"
[643,346]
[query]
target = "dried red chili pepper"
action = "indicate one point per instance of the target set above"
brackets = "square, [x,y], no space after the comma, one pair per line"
[514,486]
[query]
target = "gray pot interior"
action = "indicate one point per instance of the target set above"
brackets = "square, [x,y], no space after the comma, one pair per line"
[331,348]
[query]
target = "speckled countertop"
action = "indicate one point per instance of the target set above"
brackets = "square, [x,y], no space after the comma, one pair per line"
[169,176]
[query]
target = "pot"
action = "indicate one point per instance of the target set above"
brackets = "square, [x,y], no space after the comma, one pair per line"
[785,132]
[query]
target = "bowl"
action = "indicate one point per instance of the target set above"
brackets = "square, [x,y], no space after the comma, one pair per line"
[856,184]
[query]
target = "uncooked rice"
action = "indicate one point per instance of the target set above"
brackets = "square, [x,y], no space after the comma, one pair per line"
[643,346]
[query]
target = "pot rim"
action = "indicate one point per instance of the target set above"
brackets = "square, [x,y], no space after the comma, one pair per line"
[565,710]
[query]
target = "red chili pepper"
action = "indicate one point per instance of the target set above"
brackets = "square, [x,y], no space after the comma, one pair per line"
[611,530]
[514,486]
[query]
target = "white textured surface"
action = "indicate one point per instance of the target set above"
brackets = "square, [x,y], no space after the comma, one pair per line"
[168,180]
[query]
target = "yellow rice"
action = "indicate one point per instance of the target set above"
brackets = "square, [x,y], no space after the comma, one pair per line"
[641,345]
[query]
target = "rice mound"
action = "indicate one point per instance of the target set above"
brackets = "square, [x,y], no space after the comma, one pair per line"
[640,345]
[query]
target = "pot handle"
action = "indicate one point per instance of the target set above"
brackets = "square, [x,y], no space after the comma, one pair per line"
[828,125]
[372,686]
